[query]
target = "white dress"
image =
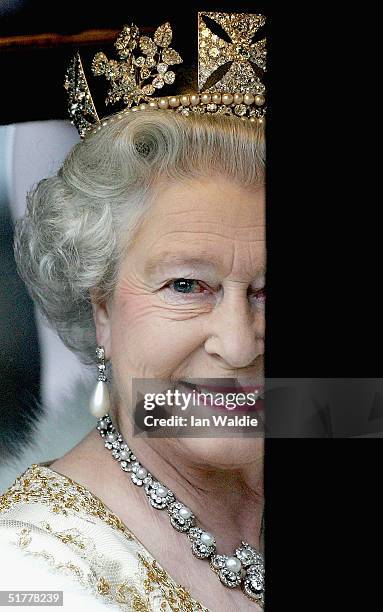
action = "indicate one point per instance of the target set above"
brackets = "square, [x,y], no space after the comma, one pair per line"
[57,535]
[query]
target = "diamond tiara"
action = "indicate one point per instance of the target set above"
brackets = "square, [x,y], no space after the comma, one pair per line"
[145,65]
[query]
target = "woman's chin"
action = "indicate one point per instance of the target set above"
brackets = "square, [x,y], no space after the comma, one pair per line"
[225,453]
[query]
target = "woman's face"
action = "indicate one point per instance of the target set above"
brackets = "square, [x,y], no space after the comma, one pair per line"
[211,233]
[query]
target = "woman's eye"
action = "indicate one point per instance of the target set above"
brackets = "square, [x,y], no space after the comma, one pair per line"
[186,285]
[259,294]
[192,286]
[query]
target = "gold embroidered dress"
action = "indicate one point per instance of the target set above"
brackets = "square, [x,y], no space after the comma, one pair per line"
[68,531]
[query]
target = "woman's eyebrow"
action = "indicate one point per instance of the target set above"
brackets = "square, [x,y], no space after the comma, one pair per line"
[159,261]
[164,260]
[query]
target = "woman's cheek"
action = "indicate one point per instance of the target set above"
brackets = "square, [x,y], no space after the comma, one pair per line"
[149,340]
[131,319]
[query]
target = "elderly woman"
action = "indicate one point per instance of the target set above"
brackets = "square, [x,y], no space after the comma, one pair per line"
[149,244]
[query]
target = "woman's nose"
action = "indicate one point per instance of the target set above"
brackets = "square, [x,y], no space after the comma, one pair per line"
[235,330]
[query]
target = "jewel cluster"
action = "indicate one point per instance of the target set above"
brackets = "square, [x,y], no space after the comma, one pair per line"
[229,73]
[245,568]
[81,108]
[243,58]
[128,74]
[100,353]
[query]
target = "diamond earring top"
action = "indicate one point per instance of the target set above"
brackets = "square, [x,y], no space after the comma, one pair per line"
[99,404]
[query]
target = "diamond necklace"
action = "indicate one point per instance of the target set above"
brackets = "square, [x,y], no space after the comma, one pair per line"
[245,568]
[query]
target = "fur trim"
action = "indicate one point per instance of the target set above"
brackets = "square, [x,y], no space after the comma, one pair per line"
[58,429]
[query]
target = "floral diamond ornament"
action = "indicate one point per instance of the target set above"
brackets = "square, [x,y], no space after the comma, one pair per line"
[254,580]
[142,67]
[203,543]
[248,555]
[228,569]
[158,495]
[181,517]
[244,568]
[254,583]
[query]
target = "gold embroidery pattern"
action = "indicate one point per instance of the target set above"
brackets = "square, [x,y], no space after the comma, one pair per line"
[99,585]
[173,598]
[61,493]
[64,496]
[72,537]
[179,599]
[68,568]
[24,537]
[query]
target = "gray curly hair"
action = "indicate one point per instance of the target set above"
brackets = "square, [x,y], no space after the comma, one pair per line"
[79,223]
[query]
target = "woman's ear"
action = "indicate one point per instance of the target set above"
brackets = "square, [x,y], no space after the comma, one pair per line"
[102,320]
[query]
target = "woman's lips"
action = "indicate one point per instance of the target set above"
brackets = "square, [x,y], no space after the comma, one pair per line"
[233,387]
[224,389]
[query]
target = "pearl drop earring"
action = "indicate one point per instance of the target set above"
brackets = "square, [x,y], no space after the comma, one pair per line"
[99,404]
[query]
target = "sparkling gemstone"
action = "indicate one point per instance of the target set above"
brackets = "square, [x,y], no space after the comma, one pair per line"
[242,52]
[214,52]
[257,586]
[148,89]
[124,455]
[246,554]
[224,110]
[194,532]
[198,110]
[162,68]
[218,561]
[240,109]
[139,61]
[111,437]
[169,77]
[100,352]
[145,72]
[158,82]
[170,56]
